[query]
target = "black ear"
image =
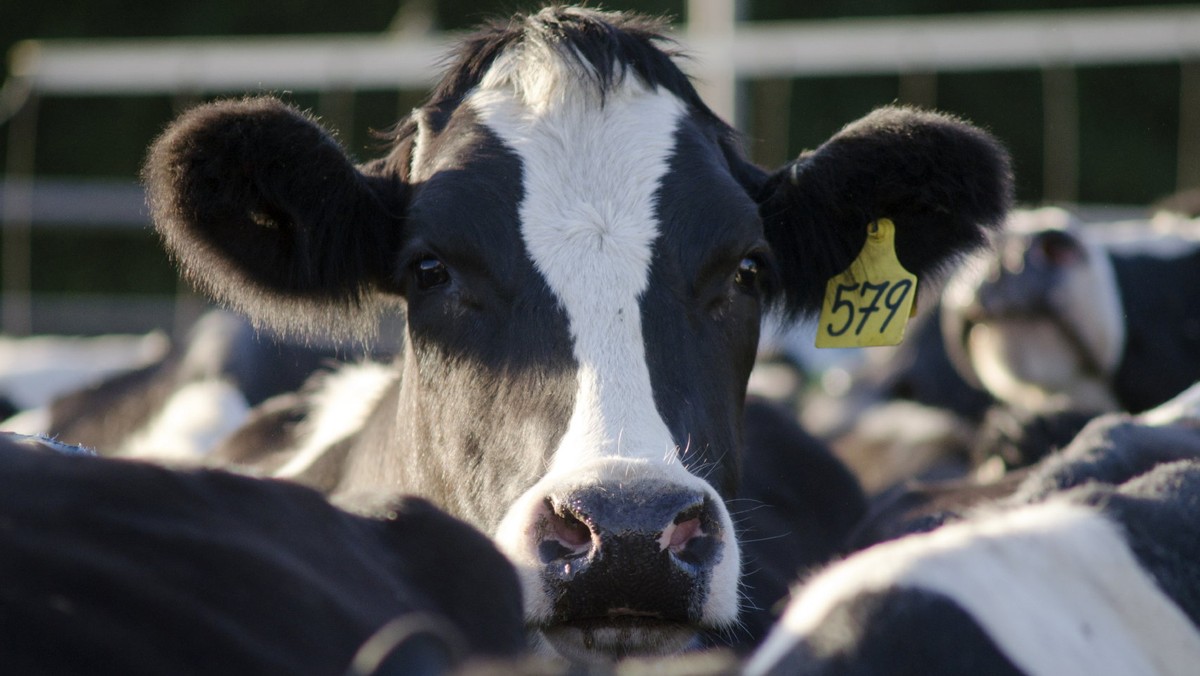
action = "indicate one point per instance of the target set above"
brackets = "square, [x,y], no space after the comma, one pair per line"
[942,181]
[262,210]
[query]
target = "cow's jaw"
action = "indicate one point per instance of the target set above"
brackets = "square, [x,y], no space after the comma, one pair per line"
[591,172]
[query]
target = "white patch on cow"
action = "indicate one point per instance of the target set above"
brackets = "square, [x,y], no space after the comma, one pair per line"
[1053,585]
[338,409]
[591,170]
[1091,302]
[1182,409]
[1031,364]
[36,369]
[588,219]
[191,423]
[33,421]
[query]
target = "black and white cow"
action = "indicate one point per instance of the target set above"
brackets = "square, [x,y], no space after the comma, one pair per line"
[183,403]
[583,258]
[122,567]
[1095,316]
[1091,565]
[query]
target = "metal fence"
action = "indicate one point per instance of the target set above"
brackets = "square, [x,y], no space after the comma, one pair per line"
[725,51]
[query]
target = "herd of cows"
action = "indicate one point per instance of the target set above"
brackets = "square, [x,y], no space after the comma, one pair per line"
[481,405]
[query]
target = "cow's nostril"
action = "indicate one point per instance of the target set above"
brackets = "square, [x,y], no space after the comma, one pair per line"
[566,534]
[687,540]
[683,532]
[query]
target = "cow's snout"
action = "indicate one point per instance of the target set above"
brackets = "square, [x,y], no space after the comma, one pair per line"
[627,549]
[616,566]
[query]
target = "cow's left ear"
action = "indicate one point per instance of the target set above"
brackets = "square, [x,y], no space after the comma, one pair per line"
[943,182]
[262,209]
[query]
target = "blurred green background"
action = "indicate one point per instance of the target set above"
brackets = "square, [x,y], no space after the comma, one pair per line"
[1129,116]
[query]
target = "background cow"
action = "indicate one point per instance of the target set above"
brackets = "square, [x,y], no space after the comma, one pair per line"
[1096,316]
[1089,566]
[122,567]
[184,402]
[583,258]
[34,370]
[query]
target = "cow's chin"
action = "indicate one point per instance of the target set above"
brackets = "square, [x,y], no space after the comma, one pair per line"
[610,639]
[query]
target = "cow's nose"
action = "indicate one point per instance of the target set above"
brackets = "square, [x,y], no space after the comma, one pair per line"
[641,549]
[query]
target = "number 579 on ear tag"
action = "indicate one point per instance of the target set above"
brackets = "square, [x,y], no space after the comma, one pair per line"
[868,304]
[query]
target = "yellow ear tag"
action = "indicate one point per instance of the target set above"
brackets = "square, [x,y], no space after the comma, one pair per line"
[868,304]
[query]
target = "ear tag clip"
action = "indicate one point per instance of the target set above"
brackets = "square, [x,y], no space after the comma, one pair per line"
[869,303]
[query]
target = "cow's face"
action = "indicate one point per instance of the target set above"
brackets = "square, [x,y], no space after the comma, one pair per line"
[583,257]
[1038,323]
[595,266]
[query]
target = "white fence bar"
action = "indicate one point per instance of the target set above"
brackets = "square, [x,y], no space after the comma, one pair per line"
[776,49]
[967,42]
[301,63]
[91,203]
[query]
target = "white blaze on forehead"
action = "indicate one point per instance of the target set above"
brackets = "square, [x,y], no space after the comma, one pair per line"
[591,172]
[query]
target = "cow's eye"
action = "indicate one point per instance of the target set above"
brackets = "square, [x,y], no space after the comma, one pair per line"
[430,272]
[748,273]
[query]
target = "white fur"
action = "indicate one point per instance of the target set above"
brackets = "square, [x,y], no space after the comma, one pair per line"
[590,174]
[339,408]
[191,423]
[1182,409]
[32,421]
[1053,585]
[588,221]
[1031,364]
[36,369]
[1091,301]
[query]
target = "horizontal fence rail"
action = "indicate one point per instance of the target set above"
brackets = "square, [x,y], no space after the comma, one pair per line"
[722,53]
[82,203]
[843,46]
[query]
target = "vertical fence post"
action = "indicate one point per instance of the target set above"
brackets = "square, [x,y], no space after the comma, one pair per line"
[1060,134]
[919,88]
[16,222]
[1187,172]
[713,23]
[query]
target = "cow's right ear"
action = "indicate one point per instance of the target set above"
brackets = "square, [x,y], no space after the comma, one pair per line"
[262,209]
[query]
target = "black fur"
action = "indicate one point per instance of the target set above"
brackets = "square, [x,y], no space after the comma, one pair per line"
[607,44]
[1111,449]
[795,508]
[1160,300]
[942,181]
[110,566]
[1021,438]
[897,632]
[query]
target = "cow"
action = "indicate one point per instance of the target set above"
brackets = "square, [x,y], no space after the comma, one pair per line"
[582,257]
[1089,565]
[34,370]
[1068,315]
[183,403]
[127,567]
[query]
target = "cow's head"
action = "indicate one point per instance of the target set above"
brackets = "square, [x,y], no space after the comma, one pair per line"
[583,258]
[1038,321]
